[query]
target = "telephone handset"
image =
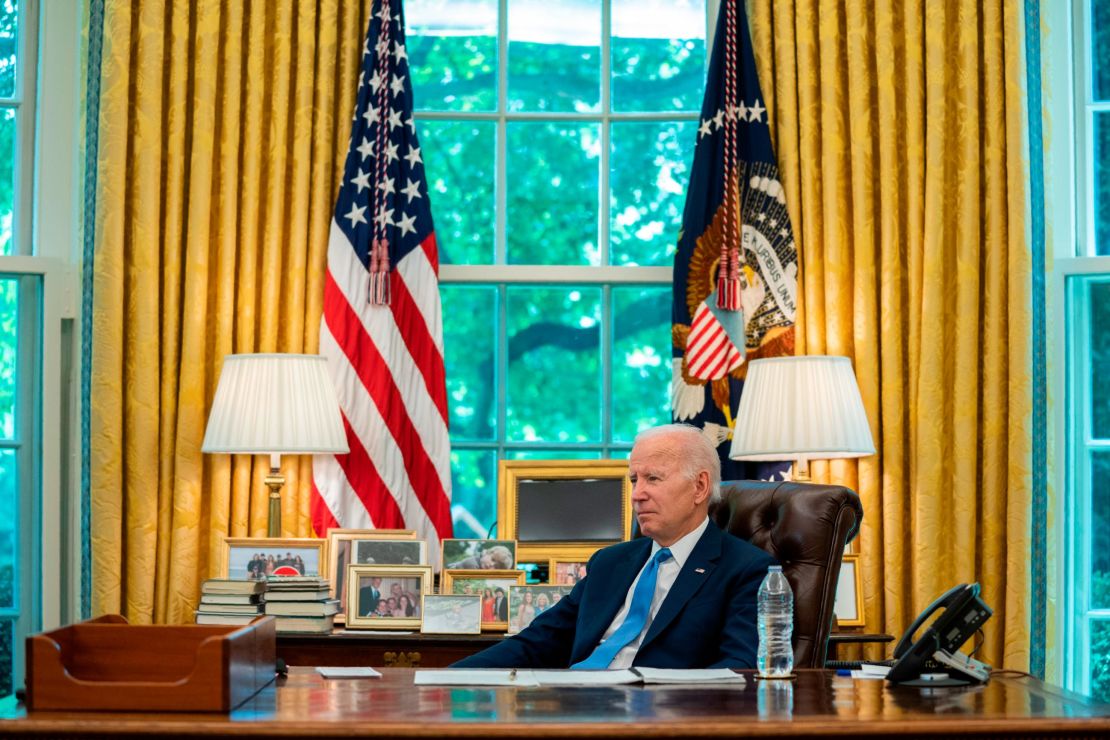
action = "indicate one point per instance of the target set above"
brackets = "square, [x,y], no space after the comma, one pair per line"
[933,659]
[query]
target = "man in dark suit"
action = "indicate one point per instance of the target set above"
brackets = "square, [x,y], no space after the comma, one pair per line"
[682,596]
[500,605]
[369,596]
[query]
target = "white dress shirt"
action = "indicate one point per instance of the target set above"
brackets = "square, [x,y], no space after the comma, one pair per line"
[668,573]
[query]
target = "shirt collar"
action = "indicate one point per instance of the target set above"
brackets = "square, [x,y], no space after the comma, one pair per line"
[681,550]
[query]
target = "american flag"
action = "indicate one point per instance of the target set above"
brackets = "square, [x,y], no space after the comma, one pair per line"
[382,328]
[736,268]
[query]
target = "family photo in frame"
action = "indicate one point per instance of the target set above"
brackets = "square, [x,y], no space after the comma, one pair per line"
[386,596]
[461,554]
[528,602]
[258,558]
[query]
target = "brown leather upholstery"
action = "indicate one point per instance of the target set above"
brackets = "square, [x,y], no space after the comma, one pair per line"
[805,527]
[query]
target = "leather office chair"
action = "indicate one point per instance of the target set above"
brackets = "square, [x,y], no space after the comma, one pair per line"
[805,526]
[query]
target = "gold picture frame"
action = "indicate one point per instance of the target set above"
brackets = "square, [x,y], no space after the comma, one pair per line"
[564,545]
[530,600]
[339,550]
[452,580]
[239,552]
[848,605]
[560,569]
[359,614]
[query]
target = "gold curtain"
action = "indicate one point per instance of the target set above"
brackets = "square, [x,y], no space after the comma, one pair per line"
[222,132]
[899,128]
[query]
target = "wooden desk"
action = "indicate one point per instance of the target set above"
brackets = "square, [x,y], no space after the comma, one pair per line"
[366,647]
[818,704]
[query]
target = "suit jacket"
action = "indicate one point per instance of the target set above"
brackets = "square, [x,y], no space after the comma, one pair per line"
[368,598]
[502,609]
[708,619]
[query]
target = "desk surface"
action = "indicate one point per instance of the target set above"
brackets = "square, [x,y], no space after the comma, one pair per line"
[819,703]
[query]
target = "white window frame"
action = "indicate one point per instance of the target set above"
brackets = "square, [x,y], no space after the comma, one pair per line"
[1070,234]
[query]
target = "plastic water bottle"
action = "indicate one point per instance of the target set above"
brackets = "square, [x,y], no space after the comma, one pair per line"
[775,606]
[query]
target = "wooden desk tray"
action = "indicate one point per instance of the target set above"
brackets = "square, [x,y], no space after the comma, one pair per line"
[108,664]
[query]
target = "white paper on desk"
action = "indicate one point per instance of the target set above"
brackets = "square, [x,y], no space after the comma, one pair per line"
[690,675]
[585,678]
[347,672]
[484,677]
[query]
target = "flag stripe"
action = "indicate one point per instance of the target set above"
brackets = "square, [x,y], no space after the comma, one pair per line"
[381,449]
[387,396]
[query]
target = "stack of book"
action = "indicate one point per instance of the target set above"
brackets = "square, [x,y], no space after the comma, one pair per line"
[301,604]
[227,601]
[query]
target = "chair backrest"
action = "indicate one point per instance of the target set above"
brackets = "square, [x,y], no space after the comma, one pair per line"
[805,526]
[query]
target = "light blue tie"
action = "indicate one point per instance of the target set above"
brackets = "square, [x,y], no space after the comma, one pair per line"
[633,623]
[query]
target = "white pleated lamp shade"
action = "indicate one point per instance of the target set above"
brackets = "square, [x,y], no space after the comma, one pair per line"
[275,404]
[801,408]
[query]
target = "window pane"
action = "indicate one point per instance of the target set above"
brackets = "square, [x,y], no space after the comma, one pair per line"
[1100,660]
[7,656]
[9,45]
[648,175]
[1100,360]
[9,517]
[641,360]
[469,344]
[458,156]
[473,491]
[1102,183]
[1100,530]
[1100,49]
[533,454]
[658,54]
[554,55]
[552,198]
[452,48]
[9,317]
[7,178]
[554,389]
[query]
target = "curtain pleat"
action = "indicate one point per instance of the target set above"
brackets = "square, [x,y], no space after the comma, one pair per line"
[899,129]
[222,133]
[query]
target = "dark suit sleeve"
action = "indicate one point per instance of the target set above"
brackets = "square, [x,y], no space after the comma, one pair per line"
[739,637]
[546,643]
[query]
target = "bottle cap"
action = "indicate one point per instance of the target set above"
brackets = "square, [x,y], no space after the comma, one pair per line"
[774,568]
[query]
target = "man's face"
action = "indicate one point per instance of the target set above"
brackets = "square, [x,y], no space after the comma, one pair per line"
[666,502]
[396,588]
[376,582]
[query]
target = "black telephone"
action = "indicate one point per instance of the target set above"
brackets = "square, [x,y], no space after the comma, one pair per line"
[934,660]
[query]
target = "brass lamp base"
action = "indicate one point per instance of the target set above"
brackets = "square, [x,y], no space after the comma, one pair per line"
[274,481]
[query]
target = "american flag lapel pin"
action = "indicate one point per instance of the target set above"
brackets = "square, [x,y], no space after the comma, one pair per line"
[699,570]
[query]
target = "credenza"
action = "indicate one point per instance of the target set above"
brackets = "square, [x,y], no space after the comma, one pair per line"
[816,704]
[408,650]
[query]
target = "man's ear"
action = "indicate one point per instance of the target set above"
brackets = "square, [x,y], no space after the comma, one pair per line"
[701,487]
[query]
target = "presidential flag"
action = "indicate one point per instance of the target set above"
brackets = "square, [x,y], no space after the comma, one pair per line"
[382,329]
[735,272]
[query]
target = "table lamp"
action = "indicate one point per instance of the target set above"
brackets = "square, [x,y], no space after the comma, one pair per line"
[801,408]
[275,404]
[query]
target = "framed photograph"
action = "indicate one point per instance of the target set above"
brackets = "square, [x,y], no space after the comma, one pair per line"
[491,585]
[339,557]
[479,554]
[565,572]
[258,558]
[451,614]
[566,509]
[528,602]
[386,596]
[849,593]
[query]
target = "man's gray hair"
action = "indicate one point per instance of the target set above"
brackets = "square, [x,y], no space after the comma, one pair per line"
[695,453]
